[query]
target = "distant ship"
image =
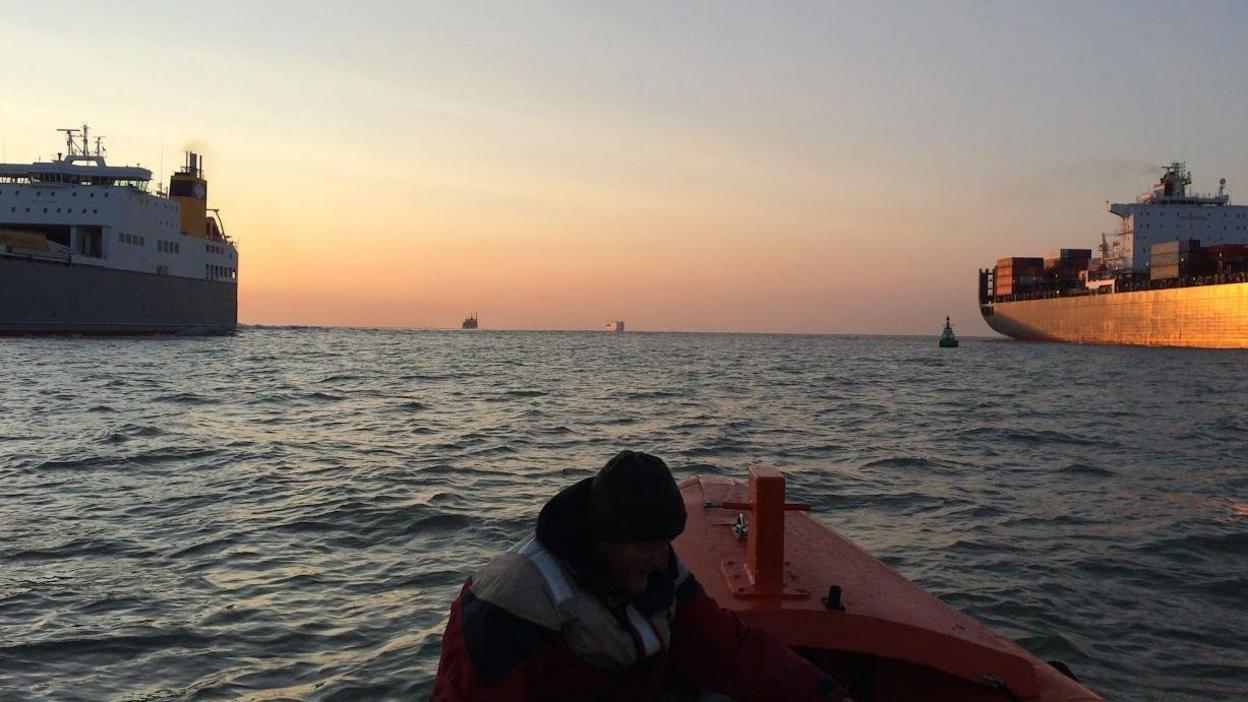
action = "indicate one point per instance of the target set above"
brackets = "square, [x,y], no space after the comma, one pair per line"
[615,326]
[470,322]
[86,249]
[1174,274]
[948,340]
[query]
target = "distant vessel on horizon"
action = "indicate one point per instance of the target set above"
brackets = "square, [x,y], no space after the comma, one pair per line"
[86,249]
[615,326]
[1174,274]
[470,322]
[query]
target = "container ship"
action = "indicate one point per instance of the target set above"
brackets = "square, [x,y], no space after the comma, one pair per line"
[1175,273]
[85,248]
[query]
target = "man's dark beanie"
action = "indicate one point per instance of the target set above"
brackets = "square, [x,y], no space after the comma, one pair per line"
[634,498]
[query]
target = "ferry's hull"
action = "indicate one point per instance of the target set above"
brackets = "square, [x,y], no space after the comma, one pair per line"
[39,297]
[1204,316]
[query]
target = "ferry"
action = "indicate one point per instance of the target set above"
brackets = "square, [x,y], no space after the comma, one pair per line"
[87,248]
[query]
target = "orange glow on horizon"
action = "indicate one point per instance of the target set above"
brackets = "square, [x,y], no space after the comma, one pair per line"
[555,167]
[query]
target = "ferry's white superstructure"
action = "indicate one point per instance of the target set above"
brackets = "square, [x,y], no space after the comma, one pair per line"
[86,248]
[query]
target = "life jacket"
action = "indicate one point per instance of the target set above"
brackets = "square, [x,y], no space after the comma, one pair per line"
[532,583]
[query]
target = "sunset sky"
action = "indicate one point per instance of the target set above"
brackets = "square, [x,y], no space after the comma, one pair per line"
[796,167]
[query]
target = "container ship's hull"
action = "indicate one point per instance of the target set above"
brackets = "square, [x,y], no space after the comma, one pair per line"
[58,298]
[1202,316]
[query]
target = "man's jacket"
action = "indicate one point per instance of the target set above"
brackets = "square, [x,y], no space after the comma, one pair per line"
[542,622]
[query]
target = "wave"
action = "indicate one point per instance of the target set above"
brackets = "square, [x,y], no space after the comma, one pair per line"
[1234,544]
[1088,470]
[903,462]
[188,398]
[1030,437]
[128,644]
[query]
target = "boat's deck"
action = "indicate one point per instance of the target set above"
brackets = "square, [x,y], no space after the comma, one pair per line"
[891,637]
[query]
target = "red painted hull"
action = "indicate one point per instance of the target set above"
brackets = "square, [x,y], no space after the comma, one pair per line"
[892,640]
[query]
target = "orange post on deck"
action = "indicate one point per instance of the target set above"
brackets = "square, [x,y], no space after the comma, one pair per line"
[764,572]
[764,551]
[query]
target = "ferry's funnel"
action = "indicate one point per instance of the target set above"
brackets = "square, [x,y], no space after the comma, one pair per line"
[188,188]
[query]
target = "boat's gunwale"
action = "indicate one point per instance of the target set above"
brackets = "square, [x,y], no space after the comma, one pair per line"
[885,615]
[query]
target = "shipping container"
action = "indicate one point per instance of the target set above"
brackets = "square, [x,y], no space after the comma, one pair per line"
[1069,254]
[1066,264]
[1226,258]
[1163,272]
[1176,246]
[1226,250]
[1020,262]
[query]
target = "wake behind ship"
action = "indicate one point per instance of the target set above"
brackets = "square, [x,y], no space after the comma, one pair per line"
[86,249]
[1174,274]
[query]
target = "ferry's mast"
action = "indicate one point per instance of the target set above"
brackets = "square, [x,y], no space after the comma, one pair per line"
[75,148]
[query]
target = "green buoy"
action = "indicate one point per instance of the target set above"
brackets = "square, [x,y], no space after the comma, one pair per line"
[947,338]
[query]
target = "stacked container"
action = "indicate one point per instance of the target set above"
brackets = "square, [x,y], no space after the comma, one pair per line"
[1169,260]
[1226,258]
[1017,274]
[1064,266]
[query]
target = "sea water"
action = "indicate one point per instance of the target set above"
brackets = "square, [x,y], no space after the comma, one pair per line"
[287,513]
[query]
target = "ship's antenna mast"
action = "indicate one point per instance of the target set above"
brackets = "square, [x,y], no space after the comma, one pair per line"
[70,145]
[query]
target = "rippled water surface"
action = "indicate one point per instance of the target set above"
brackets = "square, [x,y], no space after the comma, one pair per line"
[286,514]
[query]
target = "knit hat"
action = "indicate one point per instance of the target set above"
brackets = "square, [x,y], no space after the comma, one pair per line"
[634,498]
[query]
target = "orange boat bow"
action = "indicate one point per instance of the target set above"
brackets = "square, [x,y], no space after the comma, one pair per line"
[882,635]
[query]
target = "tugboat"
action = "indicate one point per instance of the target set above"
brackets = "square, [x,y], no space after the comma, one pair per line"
[947,338]
[470,322]
[860,621]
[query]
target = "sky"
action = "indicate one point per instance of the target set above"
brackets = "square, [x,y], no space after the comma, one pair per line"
[819,167]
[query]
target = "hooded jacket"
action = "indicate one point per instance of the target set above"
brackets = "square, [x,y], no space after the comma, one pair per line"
[544,622]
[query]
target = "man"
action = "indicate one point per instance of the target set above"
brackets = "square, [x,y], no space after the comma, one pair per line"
[598,607]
